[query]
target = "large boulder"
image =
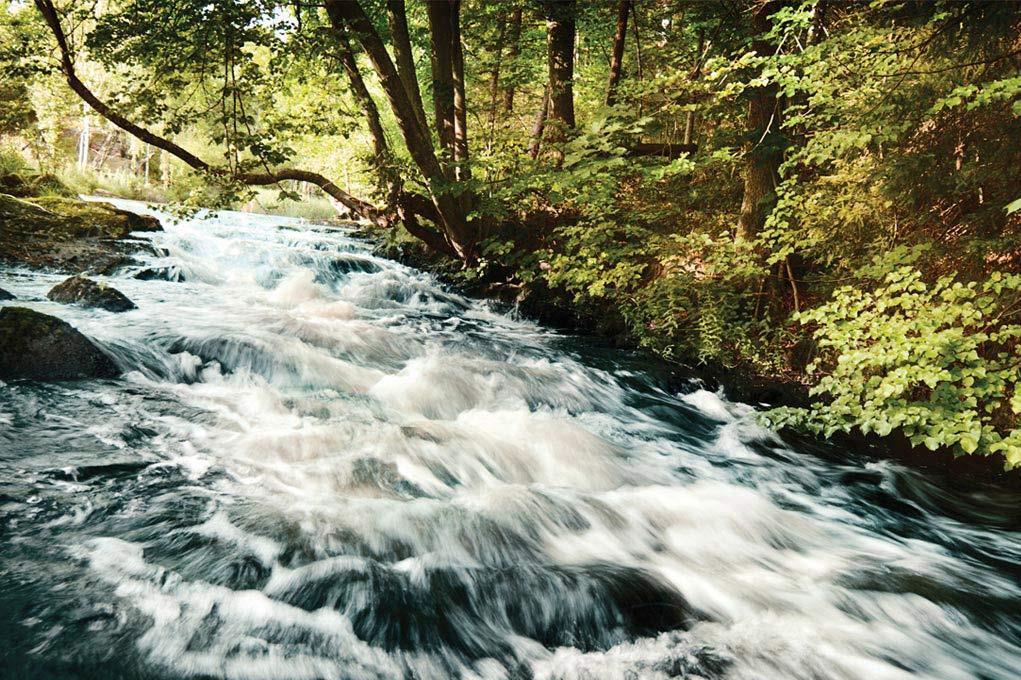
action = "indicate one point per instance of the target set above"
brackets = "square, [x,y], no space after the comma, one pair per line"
[88,293]
[4,295]
[68,234]
[36,346]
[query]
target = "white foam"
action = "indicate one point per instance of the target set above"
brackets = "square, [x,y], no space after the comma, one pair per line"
[420,431]
[297,288]
[712,404]
[220,528]
[243,633]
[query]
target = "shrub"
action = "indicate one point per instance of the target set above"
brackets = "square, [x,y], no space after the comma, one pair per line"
[939,362]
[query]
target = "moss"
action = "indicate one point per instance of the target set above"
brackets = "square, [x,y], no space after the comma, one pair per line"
[88,293]
[29,185]
[65,233]
[36,346]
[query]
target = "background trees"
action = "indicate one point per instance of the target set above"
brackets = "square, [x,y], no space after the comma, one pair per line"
[689,175]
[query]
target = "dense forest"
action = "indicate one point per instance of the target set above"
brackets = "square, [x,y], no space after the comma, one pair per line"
[826,192]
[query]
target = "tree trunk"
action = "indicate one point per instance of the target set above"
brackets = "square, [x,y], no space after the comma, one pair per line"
[617,57]
[514,42]
[494,80]
[689,123]
[638,55]
[382,159]
[452,218]
[462,170]
[535,140]
[440,25]
[397,18]
[84,139]
[560,27]
[762,156]
[638,41]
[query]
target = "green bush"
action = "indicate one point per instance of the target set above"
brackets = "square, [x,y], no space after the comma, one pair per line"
[939,362]
[12,162]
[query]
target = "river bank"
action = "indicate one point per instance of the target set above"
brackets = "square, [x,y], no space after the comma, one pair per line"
[559,309]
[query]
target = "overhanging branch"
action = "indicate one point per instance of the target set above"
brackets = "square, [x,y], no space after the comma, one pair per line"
[361,208]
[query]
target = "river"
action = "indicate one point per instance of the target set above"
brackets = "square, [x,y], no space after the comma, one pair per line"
[323,464]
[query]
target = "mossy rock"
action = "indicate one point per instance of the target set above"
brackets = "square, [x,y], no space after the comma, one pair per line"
[29,185]
[66,234]
[36,346]
[88,293]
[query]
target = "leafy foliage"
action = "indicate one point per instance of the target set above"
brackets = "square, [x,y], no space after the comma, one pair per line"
[938,361]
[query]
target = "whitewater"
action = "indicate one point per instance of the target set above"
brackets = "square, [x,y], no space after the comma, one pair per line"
[319,463]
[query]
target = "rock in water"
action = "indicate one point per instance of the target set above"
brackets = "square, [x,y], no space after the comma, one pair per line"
[4,295]
[36,346]
[67,234]
[88,293]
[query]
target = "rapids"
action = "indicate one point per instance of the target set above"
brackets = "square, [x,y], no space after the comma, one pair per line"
[323,464]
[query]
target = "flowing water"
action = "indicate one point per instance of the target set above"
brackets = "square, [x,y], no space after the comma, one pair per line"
[322,464]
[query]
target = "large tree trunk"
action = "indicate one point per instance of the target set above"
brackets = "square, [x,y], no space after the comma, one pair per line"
[453,221]
[442,58]
[397,18]
[514,42]
[762,155]
[617,56]
[560,17]
[382,158]
[560,27]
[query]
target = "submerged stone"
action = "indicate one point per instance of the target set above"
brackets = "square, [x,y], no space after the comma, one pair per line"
[36,346]
[88,293]
[170,273]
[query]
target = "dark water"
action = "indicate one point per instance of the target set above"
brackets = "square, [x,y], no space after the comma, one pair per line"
[320,464]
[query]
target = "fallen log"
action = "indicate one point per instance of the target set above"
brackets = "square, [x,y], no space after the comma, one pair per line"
[665,150]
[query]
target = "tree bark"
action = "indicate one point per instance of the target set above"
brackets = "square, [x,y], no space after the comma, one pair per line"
[638,41]
[494,80]
[462,170]
[535,140]
[397,18]
[442,59]
[514,43]
[617,56]
[638,54]
[84,138]
[361,208]
[452,218]
[762,157]
[382,158]
[560,25]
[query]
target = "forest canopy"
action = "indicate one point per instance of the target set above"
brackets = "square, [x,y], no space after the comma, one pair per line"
[823,191]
